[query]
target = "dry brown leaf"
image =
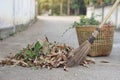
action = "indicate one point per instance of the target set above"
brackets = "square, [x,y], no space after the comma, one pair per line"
[48,67]
[104,61]
[24,64]
[85,65]
[7,62]
[65,68]
[64,58]
[59,59]
[90,60]
[46,38]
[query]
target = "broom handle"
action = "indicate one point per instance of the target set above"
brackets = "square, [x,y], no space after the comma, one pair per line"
[96,32]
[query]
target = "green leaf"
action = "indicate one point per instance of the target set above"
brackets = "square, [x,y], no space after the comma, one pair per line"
[37,47]
[30,54]
[19,54]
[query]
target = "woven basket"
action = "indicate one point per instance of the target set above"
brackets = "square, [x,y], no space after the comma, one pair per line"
[102,46]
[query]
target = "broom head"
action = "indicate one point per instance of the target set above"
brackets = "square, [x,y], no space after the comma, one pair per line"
[79,54]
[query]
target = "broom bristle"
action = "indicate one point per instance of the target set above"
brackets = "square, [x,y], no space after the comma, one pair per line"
[80,54]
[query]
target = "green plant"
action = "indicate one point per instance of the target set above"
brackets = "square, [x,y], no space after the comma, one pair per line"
[12,34]
[84,21]
[99,2]
[30,52]
[37,48]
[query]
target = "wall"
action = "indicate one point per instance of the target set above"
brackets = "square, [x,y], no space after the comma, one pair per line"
[115,17]
[14,13]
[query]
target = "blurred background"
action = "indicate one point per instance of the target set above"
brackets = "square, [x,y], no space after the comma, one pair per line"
[16,15]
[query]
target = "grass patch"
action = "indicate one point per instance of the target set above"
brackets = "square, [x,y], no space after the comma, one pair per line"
[12,34]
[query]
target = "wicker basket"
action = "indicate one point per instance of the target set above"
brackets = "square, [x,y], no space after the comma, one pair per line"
[102,46]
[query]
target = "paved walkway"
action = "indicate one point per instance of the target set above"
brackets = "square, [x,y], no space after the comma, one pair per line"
[53,27]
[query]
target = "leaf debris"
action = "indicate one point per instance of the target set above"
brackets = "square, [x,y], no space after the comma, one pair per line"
[42,54]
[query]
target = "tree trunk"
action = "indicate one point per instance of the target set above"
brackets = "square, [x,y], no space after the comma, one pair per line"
[68,7]
[61,7]
[53,6]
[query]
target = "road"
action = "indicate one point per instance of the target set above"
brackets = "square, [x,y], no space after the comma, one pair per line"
[53,27]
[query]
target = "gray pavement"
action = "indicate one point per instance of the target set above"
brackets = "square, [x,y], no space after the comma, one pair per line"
[53,27]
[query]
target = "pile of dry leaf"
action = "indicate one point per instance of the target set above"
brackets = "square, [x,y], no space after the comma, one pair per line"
[42,54]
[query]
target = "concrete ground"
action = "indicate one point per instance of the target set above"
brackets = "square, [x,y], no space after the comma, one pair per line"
[53,27]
